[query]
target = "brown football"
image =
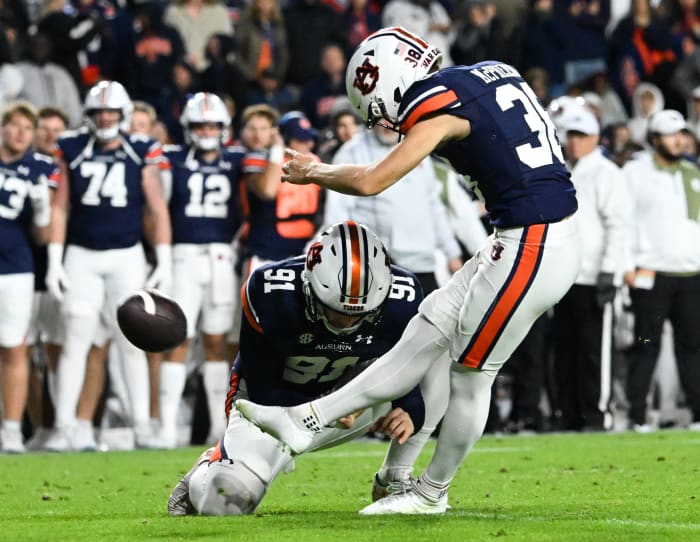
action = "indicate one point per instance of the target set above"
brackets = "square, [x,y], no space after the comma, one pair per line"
[152,321]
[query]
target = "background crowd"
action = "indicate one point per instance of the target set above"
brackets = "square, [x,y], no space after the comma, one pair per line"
[279,68]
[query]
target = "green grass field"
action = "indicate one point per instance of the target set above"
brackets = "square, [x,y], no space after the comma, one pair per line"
[591,487]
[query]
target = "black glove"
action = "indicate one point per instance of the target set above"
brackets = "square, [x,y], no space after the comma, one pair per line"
[605,288]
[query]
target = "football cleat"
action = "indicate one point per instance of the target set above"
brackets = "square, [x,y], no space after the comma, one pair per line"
[179,503]
[380,490]
[82,438]
[643,428]
[289,425]
[36,443]
[11,441]
[406,501]
[58,441]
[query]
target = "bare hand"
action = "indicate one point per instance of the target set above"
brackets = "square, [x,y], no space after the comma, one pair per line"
[454,265]
[296,169]
[395,425]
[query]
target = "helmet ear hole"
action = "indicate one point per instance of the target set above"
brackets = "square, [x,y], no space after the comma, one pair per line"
[397,94]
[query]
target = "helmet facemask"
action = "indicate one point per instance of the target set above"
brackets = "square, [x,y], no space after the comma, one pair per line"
[204,108]
[347,271]
[205,143]
[108,96]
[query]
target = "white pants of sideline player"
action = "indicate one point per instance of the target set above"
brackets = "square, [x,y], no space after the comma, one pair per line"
[251,460]
[99,279]
[204,282]
[16,292]
[46,324]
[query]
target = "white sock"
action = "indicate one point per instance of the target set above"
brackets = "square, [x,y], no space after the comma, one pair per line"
[435,389]
[135,373]
[70,372]
[171,385]
[430,489]
[51,376]
[215,375]
[11,425]
[463,424]
[391,376]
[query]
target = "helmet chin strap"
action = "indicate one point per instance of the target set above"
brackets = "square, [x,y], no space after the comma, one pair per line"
[378,116]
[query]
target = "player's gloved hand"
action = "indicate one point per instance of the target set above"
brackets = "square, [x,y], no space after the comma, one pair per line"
[395,425]
[162,276]
[41,203]
[605,288]
[56,279]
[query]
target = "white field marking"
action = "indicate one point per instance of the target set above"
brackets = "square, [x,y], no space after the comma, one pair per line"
[606,521]
[382,452]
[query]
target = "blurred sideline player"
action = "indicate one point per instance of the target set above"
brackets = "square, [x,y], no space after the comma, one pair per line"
[258,131]
[25,210]
[486,120]
[280,218]
[109,177]
[201,188]
[310,323]
[46,327]
[143,121]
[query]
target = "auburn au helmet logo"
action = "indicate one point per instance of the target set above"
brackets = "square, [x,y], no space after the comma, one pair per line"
[366,77]
[314,255]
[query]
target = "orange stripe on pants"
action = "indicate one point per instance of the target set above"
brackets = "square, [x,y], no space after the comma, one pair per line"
[508,298]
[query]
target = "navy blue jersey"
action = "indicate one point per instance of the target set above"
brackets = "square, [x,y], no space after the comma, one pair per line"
[512,155]
[204,196]
[16,180]
[278,228]
[106,198]
[286,359]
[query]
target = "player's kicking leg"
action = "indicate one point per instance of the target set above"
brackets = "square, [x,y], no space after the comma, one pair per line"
[391,376]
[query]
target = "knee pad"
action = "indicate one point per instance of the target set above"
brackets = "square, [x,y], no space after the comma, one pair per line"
[226,488]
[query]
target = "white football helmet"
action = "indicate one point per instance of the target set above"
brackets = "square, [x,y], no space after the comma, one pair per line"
[109,95]
[205,107]
[382,68]
[347,270]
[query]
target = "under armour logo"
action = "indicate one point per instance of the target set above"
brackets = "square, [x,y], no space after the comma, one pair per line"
[366,77]
[367,339]
[314,255]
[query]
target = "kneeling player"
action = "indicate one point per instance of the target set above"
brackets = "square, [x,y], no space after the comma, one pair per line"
[310,324]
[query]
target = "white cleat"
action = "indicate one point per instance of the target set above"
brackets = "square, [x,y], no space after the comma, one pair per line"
[36,443]
[643,428]
[11,441]
[58,441]
[82,438]
[408,501]
[381,490]
[281,424]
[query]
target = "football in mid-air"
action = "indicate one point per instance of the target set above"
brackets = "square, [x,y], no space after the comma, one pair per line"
[152,321]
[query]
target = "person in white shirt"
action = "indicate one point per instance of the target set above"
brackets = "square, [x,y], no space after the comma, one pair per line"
[665,283]
[408,217]
[582,323]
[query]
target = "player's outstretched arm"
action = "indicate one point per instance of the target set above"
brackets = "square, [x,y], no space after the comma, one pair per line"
[371,179]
